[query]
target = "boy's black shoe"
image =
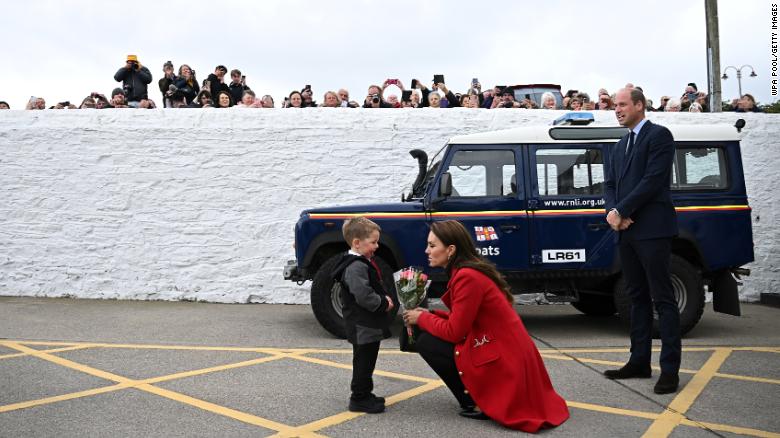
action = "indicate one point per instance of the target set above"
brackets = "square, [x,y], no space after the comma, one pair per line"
[629,371]
[470,412]
[379,399]
[368,405]
[667,383]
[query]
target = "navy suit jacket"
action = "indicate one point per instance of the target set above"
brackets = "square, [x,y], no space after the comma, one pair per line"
[637,184]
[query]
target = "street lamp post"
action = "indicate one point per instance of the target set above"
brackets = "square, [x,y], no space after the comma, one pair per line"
[739,75]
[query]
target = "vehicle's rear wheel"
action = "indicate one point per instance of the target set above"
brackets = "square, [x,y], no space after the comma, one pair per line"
[688,290]
[326,295]
[595,305]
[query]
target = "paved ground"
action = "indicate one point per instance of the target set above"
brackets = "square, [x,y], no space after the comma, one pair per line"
[117,368]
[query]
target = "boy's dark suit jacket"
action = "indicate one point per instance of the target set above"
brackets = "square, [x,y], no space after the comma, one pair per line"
[637,184]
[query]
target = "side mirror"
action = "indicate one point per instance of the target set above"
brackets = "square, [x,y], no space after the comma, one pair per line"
[445,185]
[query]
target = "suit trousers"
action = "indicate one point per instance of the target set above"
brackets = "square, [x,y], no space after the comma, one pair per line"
[363,363]
[440,356]
[647,274]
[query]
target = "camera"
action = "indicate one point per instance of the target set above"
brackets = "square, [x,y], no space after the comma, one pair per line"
[375,98]
[508,105]
[128,89]
[65,104]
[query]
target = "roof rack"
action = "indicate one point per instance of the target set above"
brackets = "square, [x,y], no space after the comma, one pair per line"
[588,133]
[575,119]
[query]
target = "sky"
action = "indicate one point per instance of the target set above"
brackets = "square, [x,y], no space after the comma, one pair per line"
[64,50]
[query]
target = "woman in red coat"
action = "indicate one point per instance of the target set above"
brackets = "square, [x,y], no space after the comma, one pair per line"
[480,348]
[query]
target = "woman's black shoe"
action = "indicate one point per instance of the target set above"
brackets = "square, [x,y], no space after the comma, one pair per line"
[472,413]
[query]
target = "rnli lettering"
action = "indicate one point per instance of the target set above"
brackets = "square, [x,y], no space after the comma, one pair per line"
[563,255]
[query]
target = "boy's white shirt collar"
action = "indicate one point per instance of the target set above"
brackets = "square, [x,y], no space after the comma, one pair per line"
[356,253]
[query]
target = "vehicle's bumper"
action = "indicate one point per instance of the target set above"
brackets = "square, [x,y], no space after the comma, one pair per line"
[292,273]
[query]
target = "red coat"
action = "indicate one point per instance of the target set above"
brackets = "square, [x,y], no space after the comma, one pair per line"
[497,360]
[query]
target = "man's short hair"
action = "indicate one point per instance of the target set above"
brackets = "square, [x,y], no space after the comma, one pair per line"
[235,72]
[221,67]
[637,96]
[358,227]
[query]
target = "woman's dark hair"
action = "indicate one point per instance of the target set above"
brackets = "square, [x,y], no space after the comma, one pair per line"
[466,256]
[221,92]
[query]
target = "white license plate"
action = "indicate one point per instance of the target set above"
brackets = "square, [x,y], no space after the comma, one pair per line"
[563,255]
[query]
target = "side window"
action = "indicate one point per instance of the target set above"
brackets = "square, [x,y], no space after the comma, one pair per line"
[699,168]
[482,173]
[570,172]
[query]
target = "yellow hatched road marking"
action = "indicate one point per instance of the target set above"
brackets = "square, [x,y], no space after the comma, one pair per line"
[611,410]
[748,378]
[69,363]
[731,429]
[376,372]
[346,416]
[59,398]
[673,415]
[217,409]
[213,369]
[53,350]
[126,383]
[664,423]
[605,362]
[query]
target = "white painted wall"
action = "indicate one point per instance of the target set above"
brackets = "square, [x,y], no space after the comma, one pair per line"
[200,204]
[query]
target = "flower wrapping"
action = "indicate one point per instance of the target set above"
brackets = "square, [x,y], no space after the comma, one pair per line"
[412,286]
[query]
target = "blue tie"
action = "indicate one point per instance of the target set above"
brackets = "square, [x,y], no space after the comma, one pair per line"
[630,143]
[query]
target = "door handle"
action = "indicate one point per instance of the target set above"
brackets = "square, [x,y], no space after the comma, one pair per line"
[598,226]
[509,227]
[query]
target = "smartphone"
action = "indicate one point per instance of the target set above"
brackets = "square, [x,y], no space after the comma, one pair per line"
[474,82]
[243,78]
[438,79]
[406,95]
[392,81]
[414,83]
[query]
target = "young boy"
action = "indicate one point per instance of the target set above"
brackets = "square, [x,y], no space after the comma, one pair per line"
[365,305]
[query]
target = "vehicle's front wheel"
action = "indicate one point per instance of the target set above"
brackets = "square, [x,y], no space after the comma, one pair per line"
[688,290]
[326,295]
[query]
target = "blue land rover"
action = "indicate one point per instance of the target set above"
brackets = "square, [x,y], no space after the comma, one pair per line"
[533,199]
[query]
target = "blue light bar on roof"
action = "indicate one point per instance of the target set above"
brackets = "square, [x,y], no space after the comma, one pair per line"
[578,118]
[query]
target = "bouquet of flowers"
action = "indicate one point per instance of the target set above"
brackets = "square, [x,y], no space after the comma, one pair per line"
[412,286]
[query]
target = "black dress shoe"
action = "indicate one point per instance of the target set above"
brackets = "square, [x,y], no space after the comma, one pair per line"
[377,399]
[629,371]
[667,383]
[368,405]
[472,413]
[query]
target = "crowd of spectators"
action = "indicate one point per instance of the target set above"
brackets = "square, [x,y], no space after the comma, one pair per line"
[181,89]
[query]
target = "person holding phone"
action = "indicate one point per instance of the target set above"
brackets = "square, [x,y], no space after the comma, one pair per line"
[187,87]
[237,85]
[446,98]
[165,83]
[134,77]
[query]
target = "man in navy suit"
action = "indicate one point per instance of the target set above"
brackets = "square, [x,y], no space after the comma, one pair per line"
[639,208]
